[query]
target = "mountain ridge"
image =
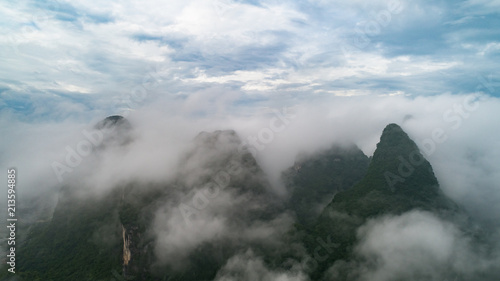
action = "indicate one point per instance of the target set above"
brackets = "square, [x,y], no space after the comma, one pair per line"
[222,189]
[375,195]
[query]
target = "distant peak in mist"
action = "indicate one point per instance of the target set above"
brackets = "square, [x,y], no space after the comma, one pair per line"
[113,121]
[117,130]
[218,138]
[392,126]
[216,134]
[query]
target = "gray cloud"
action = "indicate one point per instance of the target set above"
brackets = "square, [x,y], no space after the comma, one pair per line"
[248,267]
[464,164]
[162,138]
[278,51]
[417,246]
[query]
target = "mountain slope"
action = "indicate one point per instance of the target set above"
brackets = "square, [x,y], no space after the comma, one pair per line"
[314,179]
[220,203]
[398,179]
[219,209]
[82,240]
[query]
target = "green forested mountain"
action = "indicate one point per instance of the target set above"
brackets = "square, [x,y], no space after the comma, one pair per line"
[219,211]
[398,179]
[96,238]
[314,179]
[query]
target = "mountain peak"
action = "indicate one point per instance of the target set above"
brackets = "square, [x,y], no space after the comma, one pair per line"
[113,121]
[393,129]
[218,135]
[392,126]
[394,141]
[397,162]
[399,178]
[117,130]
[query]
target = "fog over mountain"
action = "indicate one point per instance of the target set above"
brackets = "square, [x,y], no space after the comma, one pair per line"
[161,174]
[465,158]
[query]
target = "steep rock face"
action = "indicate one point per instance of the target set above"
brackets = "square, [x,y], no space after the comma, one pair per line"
[83,240]
[398,179]
[125,233]
[223,198]
[220,205]
[126,247]
[314,179]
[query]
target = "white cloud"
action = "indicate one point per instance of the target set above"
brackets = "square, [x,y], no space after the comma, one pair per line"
[248,267]
[291,48]
[418,246]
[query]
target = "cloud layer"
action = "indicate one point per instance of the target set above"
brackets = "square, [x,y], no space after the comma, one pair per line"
[461,152]
[417,246]
[77,59]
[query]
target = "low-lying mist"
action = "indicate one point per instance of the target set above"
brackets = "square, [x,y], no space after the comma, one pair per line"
[456,133]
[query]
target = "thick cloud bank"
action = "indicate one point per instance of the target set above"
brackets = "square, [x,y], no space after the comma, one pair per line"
[248,267]
[456,133]
[417,246]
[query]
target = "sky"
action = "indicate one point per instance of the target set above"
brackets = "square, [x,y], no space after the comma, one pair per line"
[81,59]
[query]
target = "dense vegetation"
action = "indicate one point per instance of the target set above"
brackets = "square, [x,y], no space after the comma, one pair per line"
[377,194]
[313,180]
[68,248]
[332,193]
